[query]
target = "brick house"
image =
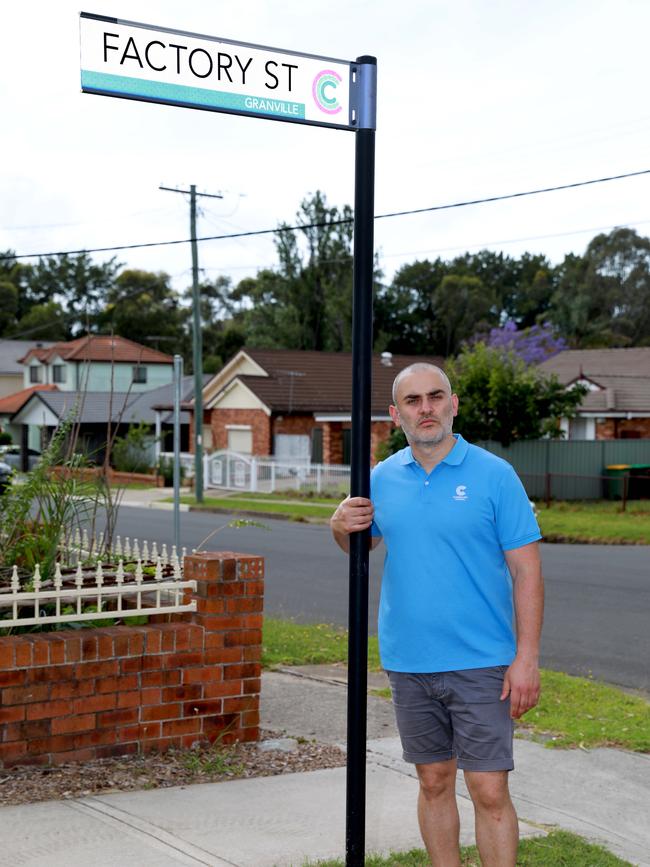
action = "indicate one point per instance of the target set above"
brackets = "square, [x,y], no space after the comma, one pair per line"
[295,405]
[617,405]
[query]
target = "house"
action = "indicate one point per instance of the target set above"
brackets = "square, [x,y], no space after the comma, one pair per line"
[12,375]
[617,405]
[295,405]
[100,414]
[10,405]
[96,363]
[83,372]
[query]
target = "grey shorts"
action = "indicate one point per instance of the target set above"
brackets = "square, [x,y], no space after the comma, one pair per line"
[454,715]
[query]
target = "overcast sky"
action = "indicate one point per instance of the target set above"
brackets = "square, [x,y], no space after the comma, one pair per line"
[475,98]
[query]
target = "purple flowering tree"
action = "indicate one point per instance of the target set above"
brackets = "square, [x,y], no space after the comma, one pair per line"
[533,345]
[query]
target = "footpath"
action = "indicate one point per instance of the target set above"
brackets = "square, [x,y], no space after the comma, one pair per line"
[287,820]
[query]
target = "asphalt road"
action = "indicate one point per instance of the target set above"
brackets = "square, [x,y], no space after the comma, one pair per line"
[597,596]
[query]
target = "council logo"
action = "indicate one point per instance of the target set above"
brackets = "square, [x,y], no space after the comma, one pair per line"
[461,492]
[324,91]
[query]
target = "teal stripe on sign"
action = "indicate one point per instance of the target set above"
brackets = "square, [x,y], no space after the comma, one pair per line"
[199,96]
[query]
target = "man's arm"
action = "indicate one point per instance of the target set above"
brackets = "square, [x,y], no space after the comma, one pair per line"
[351,516]
[521,681]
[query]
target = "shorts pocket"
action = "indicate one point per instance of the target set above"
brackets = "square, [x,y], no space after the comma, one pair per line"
[478,685]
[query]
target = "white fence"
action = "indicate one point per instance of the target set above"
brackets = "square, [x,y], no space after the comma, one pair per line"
[234,471]
[151,583]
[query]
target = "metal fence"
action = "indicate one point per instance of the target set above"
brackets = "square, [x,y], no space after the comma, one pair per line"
[234,471]
[582,457]
[131,580]
[622,487]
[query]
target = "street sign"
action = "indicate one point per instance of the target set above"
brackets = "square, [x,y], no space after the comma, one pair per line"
[157,64]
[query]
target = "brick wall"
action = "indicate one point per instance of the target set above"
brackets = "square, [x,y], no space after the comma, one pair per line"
[207,415]
[379,433]
[79,695]
[294,424]
[259,422]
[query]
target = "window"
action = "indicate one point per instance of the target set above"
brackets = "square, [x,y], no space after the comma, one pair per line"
[139,374]
[58,373]
[35,373]
[292,447]
[240,440]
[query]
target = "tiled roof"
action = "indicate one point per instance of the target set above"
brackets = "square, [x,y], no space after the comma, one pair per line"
[13,402]
[321,381]
[91,407]
[98,347]
[94,407]
[573,363]
[623,376]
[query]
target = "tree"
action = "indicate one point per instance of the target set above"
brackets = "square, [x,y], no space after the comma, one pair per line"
[459,305]
[46,321]
[13,278]
[430,310]
[8,306]
[501,398]
[77,283]
[306,303]
[533,345]
[521,288]
[403,309]
[603,297]
[143,307]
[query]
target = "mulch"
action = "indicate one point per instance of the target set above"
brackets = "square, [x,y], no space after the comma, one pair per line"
[201,764]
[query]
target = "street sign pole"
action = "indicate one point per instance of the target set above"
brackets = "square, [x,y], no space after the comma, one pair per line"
[178,391]
[131,60]
[363,271]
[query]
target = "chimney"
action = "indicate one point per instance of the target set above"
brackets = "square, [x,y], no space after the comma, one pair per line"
[387,359]
[610,398]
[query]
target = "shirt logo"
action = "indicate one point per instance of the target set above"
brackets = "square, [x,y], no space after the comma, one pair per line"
[461,493]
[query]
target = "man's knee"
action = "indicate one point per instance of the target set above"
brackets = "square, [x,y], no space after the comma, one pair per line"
[489,790]
[437,779]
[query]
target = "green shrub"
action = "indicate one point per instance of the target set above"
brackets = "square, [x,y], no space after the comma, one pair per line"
[132,453]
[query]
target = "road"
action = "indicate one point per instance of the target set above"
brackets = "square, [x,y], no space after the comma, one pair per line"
[598,596]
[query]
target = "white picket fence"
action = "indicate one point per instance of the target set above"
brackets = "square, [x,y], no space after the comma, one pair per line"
[100,588]
[234,471]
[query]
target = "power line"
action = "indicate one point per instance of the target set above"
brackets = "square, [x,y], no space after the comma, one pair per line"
[430,209]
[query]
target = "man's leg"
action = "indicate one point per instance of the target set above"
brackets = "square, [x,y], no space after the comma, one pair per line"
[497,831]
[438,812]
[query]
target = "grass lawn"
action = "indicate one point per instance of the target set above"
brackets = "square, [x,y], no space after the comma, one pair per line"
[579,521]
[596,521]
[302,497]
[573,711]
[558,849]
[268,506]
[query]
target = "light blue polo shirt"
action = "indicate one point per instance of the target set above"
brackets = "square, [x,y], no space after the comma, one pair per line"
[446,595]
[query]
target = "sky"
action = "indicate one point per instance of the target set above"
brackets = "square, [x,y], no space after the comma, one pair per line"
[475,98]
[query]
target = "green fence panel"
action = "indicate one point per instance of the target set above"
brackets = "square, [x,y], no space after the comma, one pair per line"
[568,469]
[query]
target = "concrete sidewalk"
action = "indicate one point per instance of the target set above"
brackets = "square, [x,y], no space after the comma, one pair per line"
[152,498]
[286,820]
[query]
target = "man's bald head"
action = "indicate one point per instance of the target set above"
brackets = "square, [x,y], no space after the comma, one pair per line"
[418,367]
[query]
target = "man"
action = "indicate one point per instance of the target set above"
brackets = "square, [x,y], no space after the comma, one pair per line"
[461,548]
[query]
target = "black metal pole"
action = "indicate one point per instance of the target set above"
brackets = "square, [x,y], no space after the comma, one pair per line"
[360,487]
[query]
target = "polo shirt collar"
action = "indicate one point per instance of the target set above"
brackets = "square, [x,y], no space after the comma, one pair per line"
[455,457]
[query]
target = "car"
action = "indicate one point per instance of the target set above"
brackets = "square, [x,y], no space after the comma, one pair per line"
[12,455]
[6,472]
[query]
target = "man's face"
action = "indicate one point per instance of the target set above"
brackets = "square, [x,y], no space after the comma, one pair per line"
[425,409]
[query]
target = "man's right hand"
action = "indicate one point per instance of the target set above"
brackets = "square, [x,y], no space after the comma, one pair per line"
[351,516]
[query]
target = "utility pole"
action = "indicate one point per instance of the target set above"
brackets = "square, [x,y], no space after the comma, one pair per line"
[197,339]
